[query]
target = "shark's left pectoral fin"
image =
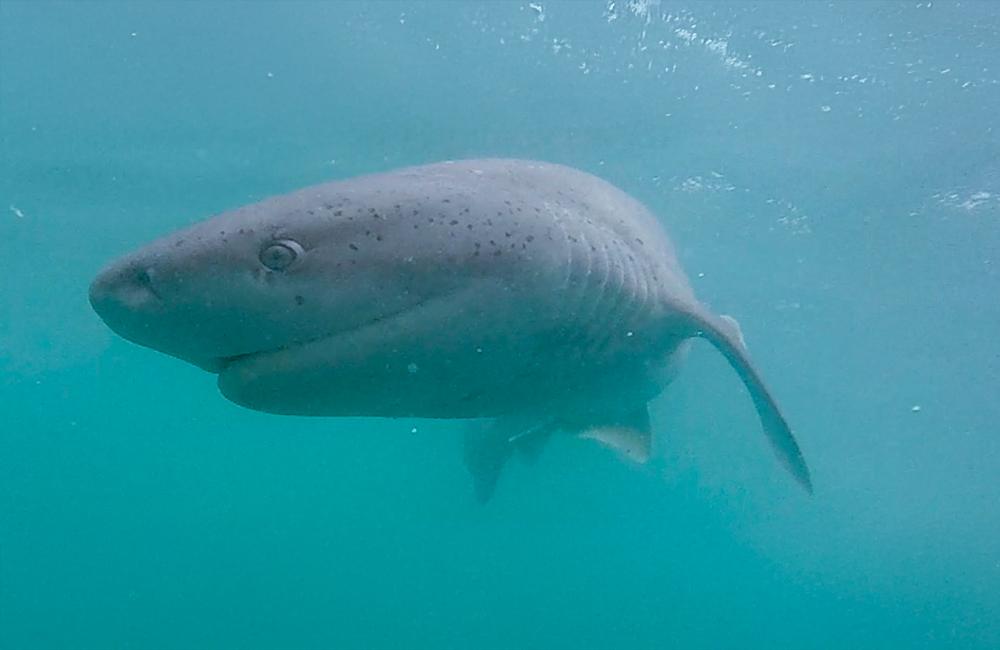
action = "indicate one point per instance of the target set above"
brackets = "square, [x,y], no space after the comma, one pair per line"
[629,434]
[489,444]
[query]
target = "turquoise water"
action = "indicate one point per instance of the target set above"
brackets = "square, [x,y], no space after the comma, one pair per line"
[830,174]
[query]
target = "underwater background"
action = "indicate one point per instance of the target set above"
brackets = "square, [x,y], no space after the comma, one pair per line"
[830,173]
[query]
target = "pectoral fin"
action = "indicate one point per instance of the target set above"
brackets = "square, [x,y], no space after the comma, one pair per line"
[489,444]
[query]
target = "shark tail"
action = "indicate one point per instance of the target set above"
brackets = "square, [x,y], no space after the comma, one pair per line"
[724,333]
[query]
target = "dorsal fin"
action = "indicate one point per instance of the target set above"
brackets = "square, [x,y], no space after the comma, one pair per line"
[725,335]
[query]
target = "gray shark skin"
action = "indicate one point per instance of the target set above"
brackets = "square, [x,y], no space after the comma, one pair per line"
[533,296]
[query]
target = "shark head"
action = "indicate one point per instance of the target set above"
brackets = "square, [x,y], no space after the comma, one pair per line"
[272,295]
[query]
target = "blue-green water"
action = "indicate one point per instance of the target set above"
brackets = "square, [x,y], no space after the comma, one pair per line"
[830,173]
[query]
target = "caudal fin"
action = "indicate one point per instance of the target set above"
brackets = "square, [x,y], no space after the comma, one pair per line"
[724,333]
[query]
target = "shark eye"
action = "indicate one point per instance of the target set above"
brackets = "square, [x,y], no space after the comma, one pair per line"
[279,255]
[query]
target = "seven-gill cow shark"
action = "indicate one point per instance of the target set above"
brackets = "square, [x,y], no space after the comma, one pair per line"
[530,296]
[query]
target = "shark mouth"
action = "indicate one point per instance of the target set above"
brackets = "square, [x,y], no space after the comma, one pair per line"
[219,365]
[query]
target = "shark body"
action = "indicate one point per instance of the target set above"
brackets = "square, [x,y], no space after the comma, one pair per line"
[531,296]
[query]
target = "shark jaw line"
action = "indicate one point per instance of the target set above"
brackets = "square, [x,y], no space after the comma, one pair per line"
[219,365]
[420,313]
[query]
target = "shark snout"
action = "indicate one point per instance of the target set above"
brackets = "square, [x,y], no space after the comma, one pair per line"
[122,288]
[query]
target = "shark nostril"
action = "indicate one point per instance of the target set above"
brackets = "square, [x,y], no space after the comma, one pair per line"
[144,277]
[131,286]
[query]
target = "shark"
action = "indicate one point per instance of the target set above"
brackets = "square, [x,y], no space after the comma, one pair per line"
[527,297]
